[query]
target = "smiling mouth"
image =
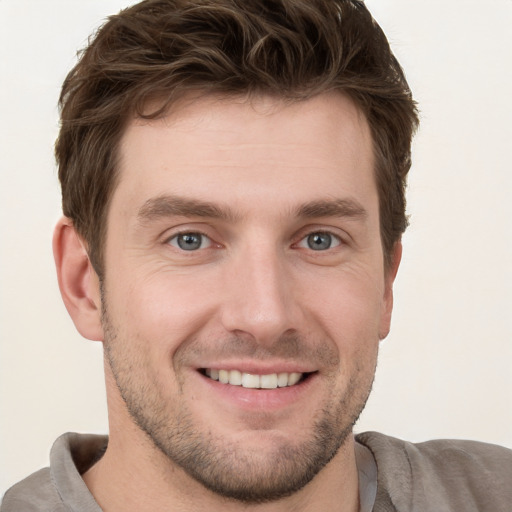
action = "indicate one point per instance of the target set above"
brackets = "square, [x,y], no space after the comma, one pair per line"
[252,381]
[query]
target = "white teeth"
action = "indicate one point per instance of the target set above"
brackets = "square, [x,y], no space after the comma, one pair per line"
[294,378]
[282,380]
[248,380]
[235,378]
[269,381]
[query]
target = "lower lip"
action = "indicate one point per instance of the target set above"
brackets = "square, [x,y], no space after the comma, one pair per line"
[266,399]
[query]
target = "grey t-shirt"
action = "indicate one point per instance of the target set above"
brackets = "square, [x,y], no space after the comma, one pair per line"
[436,476]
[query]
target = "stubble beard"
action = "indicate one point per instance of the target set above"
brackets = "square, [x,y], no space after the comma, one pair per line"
[226,468]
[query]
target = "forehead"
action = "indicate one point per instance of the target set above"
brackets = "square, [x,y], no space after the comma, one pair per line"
[231,149]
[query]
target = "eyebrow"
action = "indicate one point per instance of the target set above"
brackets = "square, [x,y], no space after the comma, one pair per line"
[170,206]
[332,208]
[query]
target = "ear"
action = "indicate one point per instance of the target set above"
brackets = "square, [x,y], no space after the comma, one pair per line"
[389,279]
[78,282]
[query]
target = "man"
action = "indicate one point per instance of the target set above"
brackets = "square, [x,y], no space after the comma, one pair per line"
[233,180]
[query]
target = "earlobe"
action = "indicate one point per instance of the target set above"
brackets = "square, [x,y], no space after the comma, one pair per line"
[78,282]
[389,279]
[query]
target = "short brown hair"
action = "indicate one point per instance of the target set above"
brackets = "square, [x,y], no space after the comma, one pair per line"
[161,49]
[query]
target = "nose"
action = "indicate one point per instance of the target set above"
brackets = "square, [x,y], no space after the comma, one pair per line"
[259,301]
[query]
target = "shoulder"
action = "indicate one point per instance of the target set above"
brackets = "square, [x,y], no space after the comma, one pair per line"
[59,488]
[442,475]
[440,453]
[34,493]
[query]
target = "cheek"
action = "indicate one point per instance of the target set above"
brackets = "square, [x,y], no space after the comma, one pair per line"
[350,313]
[162,308]
[353,328]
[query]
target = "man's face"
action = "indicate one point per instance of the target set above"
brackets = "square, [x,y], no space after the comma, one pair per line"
[244,293]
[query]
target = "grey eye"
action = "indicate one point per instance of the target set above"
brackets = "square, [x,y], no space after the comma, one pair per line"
[320,241]
[190,241]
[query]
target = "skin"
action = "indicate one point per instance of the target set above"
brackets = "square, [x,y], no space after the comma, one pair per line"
[254,296]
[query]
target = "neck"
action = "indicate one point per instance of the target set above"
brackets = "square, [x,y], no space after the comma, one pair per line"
[133,476]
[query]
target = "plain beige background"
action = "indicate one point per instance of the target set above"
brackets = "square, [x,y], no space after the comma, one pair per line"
[446,368]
